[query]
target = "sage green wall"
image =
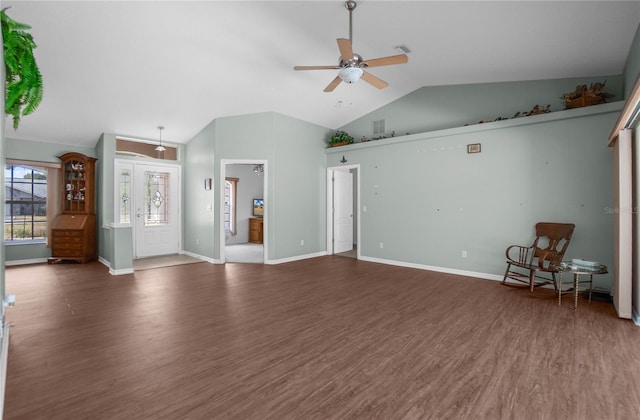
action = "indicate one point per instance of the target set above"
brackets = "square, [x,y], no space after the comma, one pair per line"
[243,137]
[22,252]
[40,152]
[297,201]
[198,226]
[428,200]
[440,107]
[122,255]
[295,181]
[632,67]
[105,151]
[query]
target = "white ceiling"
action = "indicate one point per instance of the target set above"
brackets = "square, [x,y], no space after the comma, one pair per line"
[126,67]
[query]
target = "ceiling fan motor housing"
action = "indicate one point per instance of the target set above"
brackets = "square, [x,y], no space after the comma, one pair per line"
[355,61]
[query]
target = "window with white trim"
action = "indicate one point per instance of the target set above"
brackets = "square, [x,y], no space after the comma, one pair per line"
[25,203]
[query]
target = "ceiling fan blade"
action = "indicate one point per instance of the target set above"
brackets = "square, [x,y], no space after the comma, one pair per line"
[316,67]
[335,82]
[386,61]
[373,80]
[346,50]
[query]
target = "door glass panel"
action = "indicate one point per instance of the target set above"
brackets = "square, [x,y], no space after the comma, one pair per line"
[157,198]
[125,196]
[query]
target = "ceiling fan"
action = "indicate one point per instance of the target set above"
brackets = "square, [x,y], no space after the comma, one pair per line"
[352,65]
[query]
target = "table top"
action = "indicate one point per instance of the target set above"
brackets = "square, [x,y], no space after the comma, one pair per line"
[581,269]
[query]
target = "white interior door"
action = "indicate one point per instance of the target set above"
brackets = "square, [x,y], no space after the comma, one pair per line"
[157,219]
[342,211]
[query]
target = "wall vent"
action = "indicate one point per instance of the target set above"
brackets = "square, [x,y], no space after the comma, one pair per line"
[378,127]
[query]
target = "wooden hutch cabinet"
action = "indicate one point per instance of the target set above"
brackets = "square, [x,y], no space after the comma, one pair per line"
[73,233]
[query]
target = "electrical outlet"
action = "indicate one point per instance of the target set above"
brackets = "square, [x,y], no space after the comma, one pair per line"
[464,253]
[301,242]
[197,241]
[381,245]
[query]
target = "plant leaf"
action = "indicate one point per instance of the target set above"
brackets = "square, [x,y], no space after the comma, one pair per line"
[23,82]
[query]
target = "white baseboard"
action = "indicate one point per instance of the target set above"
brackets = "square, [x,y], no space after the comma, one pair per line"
[296,258]
[121,271]
[435,268]
[104,262]
[114,272]
[4,355]
[201,257]
[26,262]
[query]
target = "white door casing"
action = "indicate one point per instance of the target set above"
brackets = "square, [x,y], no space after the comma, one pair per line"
[342,211]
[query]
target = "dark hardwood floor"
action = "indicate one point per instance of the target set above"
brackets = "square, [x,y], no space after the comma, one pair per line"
[323,338]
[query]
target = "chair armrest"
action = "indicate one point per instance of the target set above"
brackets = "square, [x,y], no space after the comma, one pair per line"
[524,254]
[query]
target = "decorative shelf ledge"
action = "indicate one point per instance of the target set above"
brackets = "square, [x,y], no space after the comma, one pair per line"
[513,122]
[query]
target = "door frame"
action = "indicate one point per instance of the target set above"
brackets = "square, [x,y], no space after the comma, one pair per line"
[133,163]
[265,189]
[356,206]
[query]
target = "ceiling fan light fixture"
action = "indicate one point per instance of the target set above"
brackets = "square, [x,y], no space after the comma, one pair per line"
[350,74]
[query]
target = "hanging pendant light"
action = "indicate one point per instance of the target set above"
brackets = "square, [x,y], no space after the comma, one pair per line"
[160,147]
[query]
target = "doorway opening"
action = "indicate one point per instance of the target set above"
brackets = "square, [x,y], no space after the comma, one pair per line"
[343,211]
[243,205]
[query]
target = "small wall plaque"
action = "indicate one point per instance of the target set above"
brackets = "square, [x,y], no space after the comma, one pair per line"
[207,184]
[473,148]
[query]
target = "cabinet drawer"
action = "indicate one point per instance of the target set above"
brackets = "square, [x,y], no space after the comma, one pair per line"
[68,245]
[68,240]
[66,233]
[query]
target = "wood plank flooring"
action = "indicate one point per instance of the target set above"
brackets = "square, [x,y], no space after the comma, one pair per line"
[326,338]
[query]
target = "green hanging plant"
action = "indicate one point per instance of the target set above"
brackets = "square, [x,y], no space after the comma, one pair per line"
[23,79]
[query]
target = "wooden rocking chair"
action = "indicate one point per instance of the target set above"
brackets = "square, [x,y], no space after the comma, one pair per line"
[525,264]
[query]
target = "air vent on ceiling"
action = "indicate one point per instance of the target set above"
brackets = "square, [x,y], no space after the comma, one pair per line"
[402,48]
[378,127]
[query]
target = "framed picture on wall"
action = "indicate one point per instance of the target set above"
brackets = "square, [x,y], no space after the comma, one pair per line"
[258,207]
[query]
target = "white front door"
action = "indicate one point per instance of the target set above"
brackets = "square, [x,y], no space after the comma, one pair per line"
[157,224]
[342,211]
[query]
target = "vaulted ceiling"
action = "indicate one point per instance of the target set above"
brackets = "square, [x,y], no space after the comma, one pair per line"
[126,67]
